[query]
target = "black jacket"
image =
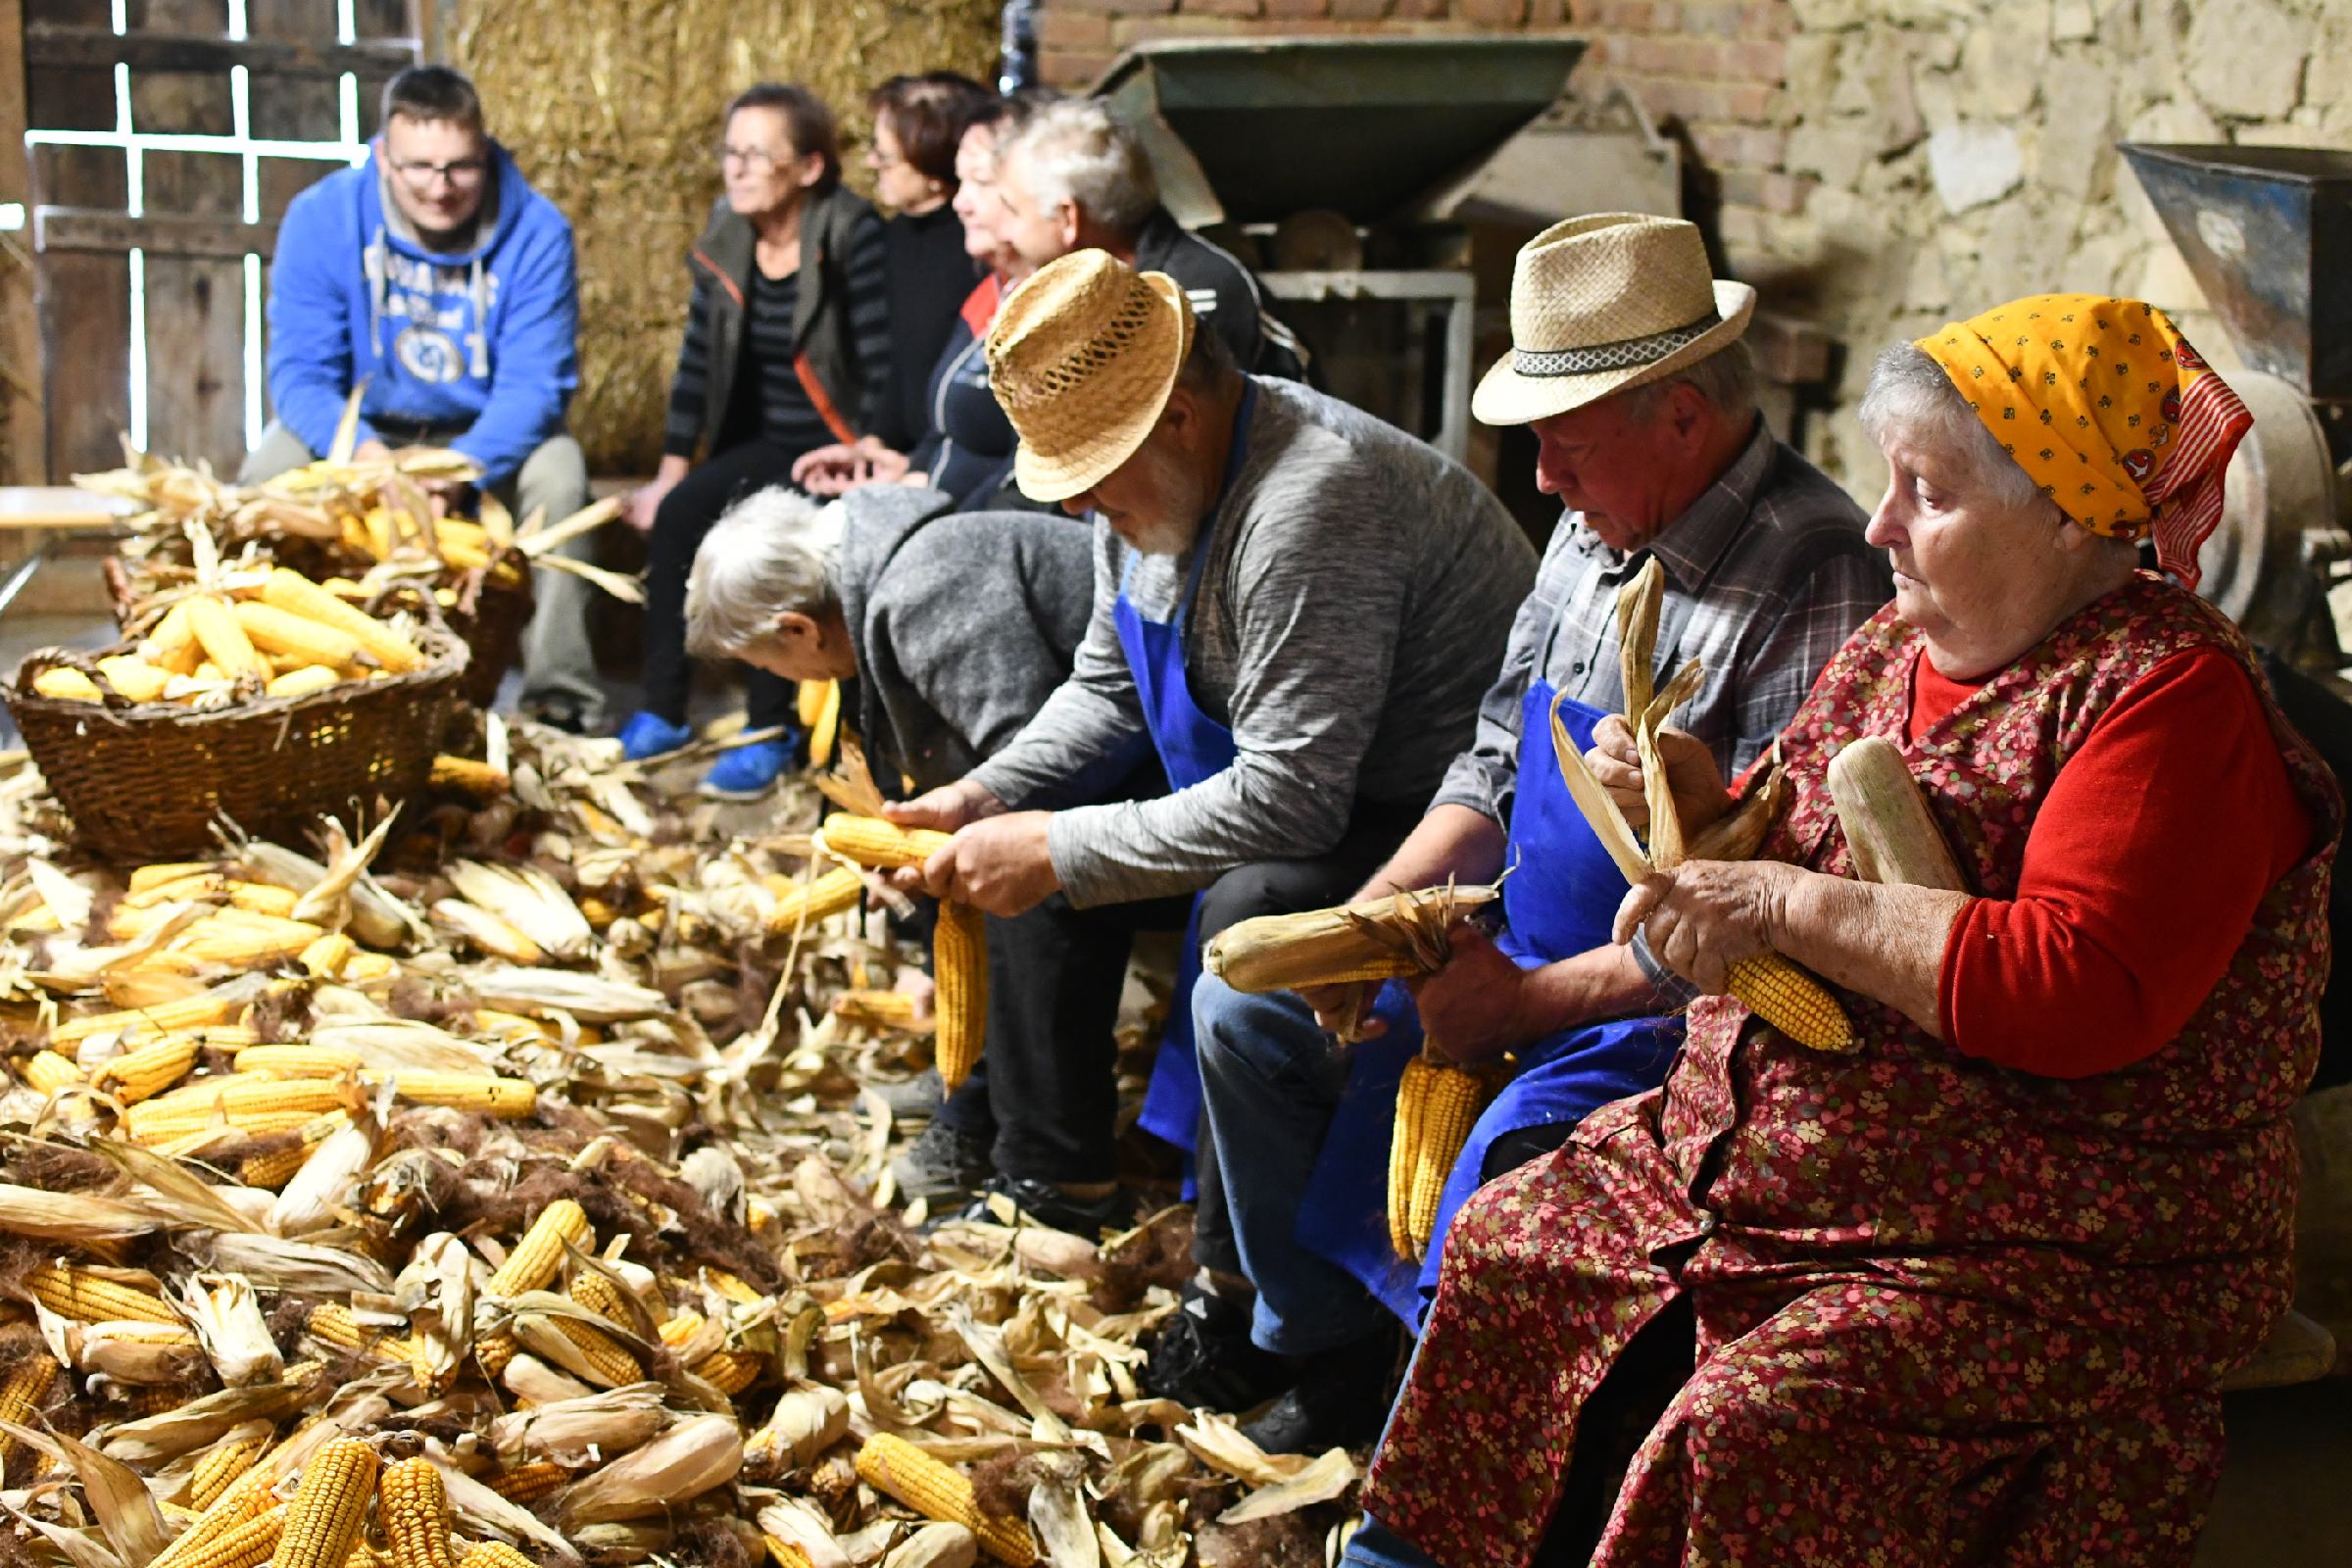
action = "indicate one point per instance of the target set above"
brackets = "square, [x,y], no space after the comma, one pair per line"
[845,395]
[1225,298]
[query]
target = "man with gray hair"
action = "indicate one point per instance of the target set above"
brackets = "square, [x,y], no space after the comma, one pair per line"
[1075,178]
[1627,362]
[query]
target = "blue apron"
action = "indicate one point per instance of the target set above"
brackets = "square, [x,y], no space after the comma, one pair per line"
[1560,900]
[1192,749]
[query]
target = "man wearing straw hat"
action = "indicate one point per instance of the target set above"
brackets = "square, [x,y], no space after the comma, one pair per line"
[1626,361]
[1295,605]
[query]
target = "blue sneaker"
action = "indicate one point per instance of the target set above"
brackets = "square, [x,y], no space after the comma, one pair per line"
[649,734]
[747,772]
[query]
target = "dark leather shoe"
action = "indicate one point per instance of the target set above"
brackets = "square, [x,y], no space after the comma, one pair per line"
[1048,1204]
[1204,1358]
[1340,1400]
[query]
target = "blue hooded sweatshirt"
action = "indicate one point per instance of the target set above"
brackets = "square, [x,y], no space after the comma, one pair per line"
[481,337]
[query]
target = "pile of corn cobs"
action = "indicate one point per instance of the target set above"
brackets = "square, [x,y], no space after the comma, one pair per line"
[496,1183]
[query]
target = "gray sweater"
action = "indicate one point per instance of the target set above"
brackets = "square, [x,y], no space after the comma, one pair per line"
[964,624]
[1354,604]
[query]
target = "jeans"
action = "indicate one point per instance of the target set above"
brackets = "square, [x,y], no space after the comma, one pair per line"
[559,665]
[1272,1080]
[682,521]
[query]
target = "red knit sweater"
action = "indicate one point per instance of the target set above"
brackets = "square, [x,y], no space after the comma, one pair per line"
[2145,865]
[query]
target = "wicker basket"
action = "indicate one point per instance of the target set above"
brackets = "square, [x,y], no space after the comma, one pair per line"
[150,782]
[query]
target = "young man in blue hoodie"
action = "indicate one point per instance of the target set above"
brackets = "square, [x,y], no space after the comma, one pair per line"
[436,274]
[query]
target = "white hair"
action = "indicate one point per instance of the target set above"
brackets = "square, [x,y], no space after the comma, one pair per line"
[773,553]
[1909,395]
[1075,150]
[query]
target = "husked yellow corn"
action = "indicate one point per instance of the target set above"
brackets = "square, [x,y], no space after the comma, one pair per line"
[87,1297]
[371,969]
[601,1297]
[540,1254]
[1437,1105]
[137,1074]
[876,1009]
[171,646]
[728,1371]
[881,845]
[277,1167]
[250,1541]
[134,678]
[281,631]
[326,956]
[292,592]
[188,1012]
[303,680]
[222,1465]
[504,1098]
[605,1356]
[329,1509]
[810,901]
[891,1464]
[224,642]
[49,1073]
[959,967]
[332,1323]
[248,1104]
[1792,1002]
[66,685]
[466,776]
[20,1395]
[494,1554]
[820,703]
[784,1554]
[527,1484]
[411,1506]
[298,1061]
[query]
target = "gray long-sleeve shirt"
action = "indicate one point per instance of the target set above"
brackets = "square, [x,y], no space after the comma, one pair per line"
[1355,606]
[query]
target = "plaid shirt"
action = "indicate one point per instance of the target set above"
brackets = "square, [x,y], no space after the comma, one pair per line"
[1766,575]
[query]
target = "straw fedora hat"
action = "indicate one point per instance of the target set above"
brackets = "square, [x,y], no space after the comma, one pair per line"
[1082,359]
[1603,303]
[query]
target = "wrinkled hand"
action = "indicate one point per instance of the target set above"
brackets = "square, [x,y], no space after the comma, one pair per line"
[843,466]
[1346,1010]
[1706,915]
[947,807]
[1476,1006]
[1001,864]
[1700,797]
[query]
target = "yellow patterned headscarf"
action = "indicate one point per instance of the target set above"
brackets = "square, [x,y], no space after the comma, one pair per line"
[2105,404]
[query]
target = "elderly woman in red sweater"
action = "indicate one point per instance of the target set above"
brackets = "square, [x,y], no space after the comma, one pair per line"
[1967,1293]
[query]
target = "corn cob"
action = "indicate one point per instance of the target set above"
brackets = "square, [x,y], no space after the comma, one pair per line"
[784,1554]
[189,1012]
[249,1542]
[298,1061]
[307,640]
[326,956]
[223,640]
[876,1009]
[411,1506]
[149,1070]
[605,1356]
[66,685]
[1379,939]
[221,1466]
[880,846]
[296,594]
[506,1097]
[370,970]
[494,936]
[960,964]
[807,904]
[277,1168]
[303,681]
[734,1288]
[332,1323]
[494,1554]
[87,1297]
[531,1267]
[819,704]
[891,1464]
[1792,1002]
[599,1294]
[1889,830]
[527,1484]
[1435,1107]
[171,646]
[20,1395]
[49,1073]
[182,1135]
[728,1371]
[329,1509]
[134,678]
[464,775]
[247,1106]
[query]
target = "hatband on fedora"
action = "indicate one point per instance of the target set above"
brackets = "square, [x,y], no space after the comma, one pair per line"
[1603,303]
[1082,359]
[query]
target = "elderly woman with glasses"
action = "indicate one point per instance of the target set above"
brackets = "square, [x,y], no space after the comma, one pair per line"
[1965,1291]
[787,348]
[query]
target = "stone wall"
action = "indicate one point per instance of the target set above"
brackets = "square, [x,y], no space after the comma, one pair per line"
[1880,166]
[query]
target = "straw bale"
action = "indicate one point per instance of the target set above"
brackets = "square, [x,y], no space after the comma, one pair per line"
[613,114]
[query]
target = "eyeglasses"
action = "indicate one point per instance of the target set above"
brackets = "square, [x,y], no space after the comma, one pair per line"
[877,160]
[462,172]
[751,157]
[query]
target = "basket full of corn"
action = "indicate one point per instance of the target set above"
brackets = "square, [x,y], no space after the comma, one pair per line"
[259,698]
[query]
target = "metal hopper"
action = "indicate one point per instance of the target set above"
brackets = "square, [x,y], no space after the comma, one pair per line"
[2267,231]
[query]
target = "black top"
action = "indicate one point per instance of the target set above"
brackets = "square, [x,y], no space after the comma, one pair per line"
[769,399]
[929,278]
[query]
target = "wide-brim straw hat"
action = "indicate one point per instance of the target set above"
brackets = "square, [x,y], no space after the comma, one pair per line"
[1082,359]
[1603,303]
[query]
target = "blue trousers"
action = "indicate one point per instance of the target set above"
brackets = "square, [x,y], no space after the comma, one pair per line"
[1270,1080]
